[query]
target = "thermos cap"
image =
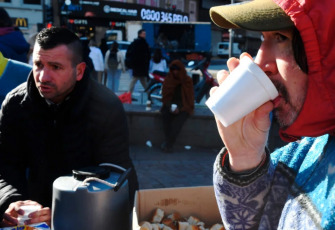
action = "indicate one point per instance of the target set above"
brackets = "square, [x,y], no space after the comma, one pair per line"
[92,171]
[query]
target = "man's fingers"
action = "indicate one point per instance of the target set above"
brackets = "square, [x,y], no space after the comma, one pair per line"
[8,220]
[262,116]
[232,63]
[245,54]
[43,215]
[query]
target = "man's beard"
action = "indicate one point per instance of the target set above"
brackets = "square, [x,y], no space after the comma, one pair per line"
[285,117]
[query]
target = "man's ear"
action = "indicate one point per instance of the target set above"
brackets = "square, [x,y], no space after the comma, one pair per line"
[80,70]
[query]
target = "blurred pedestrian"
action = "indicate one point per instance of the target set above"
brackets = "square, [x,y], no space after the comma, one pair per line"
[178,103]
[157,62]
[103,46]
[138,54]
[12,43]
[114,64]
[97,59]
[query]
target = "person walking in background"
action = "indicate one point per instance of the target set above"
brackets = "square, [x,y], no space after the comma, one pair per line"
[138,54]
[12,43]
[97,59]
[294,186]
[157,62]
[178,103]
[114,64]
[60,120]
[103,46]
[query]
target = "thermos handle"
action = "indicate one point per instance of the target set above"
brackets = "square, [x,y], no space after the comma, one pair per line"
[124,176]
[113,165]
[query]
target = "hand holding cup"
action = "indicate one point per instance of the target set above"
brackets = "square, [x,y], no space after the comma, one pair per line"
[245,138]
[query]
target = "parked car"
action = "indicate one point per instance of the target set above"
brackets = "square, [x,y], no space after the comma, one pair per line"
[223,49]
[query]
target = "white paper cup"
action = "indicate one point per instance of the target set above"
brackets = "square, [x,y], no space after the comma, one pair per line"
[173,107]
[243,91]
[27,210]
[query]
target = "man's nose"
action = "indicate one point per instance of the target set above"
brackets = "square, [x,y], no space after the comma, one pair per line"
[44,75]
[266,61]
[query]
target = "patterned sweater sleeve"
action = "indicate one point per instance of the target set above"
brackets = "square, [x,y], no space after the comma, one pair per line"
[240,197]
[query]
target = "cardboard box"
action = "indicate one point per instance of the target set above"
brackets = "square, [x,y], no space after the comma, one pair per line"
[188,201]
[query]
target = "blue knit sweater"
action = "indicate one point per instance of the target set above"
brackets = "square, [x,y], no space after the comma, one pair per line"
[294,189]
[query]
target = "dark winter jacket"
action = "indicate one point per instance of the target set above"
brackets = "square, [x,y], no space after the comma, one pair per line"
[140,55]
[13,45]
[39,143]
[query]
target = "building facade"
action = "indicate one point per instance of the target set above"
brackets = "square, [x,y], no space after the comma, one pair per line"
[94,18]
[31,15]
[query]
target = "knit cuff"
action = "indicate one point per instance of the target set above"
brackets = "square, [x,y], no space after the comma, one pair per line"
[241,178]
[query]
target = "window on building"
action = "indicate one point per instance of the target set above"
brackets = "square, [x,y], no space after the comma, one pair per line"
[5,1]
[36,2]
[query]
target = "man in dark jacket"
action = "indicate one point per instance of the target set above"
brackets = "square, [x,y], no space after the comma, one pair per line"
[139,53]
[59,120]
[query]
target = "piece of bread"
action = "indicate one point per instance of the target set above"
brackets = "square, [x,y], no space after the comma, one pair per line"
[183,225]
[193,227]
[175,216]
[166,228]
[170,223]
[193,220]
[157,216]
[217,227]
[145,225]
[156,226]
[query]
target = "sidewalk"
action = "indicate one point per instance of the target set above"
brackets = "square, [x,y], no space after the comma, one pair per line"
[182,168]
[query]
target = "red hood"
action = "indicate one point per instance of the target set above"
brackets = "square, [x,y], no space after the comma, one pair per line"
[315,21]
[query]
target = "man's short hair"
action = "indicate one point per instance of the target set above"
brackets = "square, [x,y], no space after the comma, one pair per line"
[140,31]
[49,38]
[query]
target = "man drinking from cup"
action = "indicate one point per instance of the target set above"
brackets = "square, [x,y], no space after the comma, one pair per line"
[293,188]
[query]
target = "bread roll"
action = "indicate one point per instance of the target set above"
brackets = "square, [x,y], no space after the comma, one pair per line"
[217,227]
[166,228]
[145,225]
[193,227]
[183,225]
[157,216]
[156,226]
[193,220]
[175,216]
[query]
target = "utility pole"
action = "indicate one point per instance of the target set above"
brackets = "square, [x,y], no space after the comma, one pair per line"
[231,38]
[43,10]
[56,12]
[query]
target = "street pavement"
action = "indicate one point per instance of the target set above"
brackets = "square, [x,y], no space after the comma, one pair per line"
[182,168]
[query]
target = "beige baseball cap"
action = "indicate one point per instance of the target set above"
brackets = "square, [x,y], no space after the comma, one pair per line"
[257,15]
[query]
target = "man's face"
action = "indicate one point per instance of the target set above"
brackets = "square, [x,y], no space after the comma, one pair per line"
[54,73]
[143,34]
[276,58]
